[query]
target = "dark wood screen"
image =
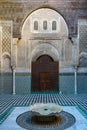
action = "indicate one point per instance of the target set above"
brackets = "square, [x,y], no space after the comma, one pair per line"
[45,75]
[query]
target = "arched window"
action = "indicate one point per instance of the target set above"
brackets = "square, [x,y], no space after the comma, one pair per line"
[35,25]
[54,25]
[45,25]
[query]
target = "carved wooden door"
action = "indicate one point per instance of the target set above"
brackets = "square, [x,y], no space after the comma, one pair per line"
[45,82]
[45,75]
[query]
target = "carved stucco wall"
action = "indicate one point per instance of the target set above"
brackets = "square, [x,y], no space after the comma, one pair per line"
[41,15]
[0,46]
[66,44]
[18,10]
[82,33]
[5,45]
[35,43]
[21,52]
[43,49]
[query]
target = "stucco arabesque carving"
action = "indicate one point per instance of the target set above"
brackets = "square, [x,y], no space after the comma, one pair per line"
[14,53]
[83,54]
[45,49]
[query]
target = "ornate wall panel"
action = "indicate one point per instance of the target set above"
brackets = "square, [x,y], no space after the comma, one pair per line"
[0,46]
[6,36]
[82,35]
[6,42]
[82,42]
[18,10]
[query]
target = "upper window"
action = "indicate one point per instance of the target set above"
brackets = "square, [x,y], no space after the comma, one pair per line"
[45,25]
[35,25]
[54,25]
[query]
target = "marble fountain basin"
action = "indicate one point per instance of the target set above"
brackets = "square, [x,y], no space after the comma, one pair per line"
[48,116]
[45,109]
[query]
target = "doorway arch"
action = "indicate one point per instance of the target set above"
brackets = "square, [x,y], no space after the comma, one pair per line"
[45,58]
[45,49]
[54,23]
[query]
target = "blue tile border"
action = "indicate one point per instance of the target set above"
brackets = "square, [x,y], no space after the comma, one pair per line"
[5,115]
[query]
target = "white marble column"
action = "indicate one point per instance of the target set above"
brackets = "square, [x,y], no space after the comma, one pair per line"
[14,60]
[75,74]
[13,69]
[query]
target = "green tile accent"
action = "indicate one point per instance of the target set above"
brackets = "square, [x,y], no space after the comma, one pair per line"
[5,115]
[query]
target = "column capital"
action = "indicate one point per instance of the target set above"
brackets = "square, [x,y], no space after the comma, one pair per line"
[13,68]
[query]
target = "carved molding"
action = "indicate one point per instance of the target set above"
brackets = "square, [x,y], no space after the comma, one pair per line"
[83,59]
[45,49]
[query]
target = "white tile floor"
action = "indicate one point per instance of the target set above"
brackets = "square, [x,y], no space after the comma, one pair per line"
[10,122]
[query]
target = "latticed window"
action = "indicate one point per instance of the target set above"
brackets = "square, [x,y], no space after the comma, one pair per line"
[45,25]
[54,25]
[36,25]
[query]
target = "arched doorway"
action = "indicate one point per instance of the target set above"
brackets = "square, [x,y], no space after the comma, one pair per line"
[45,75]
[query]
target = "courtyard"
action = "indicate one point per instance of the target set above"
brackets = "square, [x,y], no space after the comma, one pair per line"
[11,106]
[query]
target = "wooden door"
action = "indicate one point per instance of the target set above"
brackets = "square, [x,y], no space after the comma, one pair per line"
[45,75]
[45,81]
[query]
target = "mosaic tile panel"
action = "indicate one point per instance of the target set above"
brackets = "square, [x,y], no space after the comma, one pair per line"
[23,84]
[66,83]
[6,83]
[82,83]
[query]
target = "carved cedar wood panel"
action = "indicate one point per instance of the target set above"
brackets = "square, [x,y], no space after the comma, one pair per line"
[45,75]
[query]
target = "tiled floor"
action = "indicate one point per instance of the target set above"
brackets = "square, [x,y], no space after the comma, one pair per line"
[9,101]
[10,122]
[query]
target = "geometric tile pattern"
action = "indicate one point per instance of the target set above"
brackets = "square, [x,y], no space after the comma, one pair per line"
[8,101]
[83,38]
[6,39]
